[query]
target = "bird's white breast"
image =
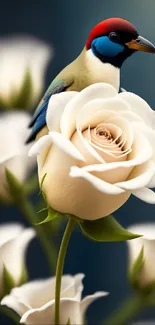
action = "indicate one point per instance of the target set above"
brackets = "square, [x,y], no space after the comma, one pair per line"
[102,72]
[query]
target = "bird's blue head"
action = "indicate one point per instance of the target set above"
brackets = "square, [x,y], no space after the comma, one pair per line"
[114,40]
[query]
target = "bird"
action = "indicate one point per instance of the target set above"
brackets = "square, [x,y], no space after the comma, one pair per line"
[108,45]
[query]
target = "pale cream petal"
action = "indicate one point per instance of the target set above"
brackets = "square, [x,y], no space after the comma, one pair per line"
[139,177]
[98,111]
[147,242]
[39,145]
[89,153]
[9,231]
[139,106]
[14,304]
[69,309]
[37,293]
[17,56]
[138,156]
[78,196]
[88,300]
[13,253]
[56,107]
[97,90]
[145,194]
[99,184]
[65,145]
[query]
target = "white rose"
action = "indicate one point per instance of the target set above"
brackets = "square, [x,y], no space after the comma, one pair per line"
[100,149]
[35,303]
[14,240]
[19,54]
[13,151]
[147,242]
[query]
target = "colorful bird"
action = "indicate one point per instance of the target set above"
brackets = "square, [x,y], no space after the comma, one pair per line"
[109,44]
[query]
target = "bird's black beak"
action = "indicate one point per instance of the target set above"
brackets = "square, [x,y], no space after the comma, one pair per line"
[141,44]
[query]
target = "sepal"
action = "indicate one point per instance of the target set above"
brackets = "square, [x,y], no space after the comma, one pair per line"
[106,229]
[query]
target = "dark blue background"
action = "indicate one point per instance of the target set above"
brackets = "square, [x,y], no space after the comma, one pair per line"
[65,25]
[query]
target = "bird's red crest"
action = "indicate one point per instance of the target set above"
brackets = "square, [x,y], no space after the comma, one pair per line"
[110,25]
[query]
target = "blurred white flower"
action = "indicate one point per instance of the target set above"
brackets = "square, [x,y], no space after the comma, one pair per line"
[35,303]
[13,151]
[14,239]
[147,272]
[18,56]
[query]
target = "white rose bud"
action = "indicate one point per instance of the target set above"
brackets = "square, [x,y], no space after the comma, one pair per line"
[35,302]
[100,149]
[14,240]
[13,151]
[20,55]
[146,275]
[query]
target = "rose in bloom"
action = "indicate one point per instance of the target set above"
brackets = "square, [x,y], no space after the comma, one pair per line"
[14,240]
[146,276]
[13,151]
[19,56]
[35,303]
[100,149]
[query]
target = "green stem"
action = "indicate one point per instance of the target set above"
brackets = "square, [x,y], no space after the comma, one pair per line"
[60,265]
[28,211]
[127,311]
[11,314]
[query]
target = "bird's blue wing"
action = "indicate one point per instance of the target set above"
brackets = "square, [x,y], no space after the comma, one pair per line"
[39,119]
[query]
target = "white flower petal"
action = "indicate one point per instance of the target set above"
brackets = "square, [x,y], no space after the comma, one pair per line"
[69,309]
[97,111]
[13,303]
[18,54]
[56,107]
[13,252]
[139,177]
[9,231]
[147,230]
[139,106]
[99,184]
[98,90]
[39,145]
[90,299]
[147,242]
[145,194]
[65,145]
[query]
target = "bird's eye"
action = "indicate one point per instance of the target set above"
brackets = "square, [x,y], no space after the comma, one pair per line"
[115,37]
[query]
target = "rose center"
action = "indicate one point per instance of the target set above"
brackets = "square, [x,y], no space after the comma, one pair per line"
[104,133]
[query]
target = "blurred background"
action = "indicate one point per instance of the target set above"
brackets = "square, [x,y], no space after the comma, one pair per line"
[65,26]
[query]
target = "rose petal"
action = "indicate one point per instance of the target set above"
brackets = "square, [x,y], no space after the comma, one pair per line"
[9,231]
[99,184]
[98,90]
[90,299]
[95,111]
[65,145]
[145,194]
[69,310]
[13,303]
[39,145]
[139,177]
[139,106]
[56,107]
[13,253]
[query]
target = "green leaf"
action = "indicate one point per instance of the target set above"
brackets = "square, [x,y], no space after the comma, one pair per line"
[24,276]
[106,229]
[136,268]
[15,187]
[42,181]
[24,98]
[52,214]
[8,281]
